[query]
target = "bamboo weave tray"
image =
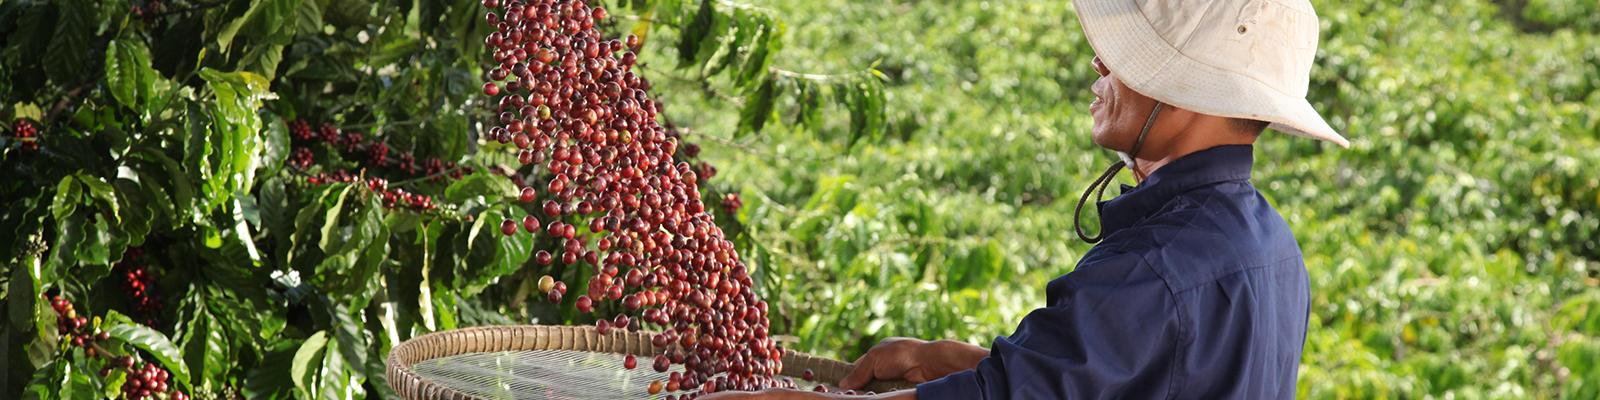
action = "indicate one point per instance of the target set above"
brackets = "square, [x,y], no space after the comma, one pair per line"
[408,384]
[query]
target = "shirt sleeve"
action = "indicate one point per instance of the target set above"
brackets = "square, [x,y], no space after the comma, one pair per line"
[1110,330]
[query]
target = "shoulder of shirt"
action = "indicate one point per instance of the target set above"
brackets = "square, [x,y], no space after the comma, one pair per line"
[1189,244]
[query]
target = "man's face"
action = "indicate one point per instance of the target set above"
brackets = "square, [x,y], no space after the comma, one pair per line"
[1119,112]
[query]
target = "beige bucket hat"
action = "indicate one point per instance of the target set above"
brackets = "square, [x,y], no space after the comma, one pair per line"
[1231,58]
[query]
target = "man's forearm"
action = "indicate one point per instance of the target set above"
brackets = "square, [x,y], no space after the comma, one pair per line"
[952,356]
[907,394]
[904,394]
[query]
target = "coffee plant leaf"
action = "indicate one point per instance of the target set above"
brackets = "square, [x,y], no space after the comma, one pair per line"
[205,348]
[99,191]
[335,378]
[68,57]
[234,135]
[307,361]
[479,189]
[726,49]
[758,109]
[156,345]
[757,61]
[264,18]
[695,31]
[113,382]
[40,387]
[135,205]
[353,341]
[128,73]
[165,175]
[308,16]
[331,235]
[77,380]
[276,382]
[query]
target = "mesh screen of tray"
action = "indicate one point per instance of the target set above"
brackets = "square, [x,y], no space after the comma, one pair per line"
[547,374]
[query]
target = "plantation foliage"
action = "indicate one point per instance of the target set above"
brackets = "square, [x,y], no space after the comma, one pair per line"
[905,168]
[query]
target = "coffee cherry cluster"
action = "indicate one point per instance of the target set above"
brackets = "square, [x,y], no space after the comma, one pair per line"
[26,133]
[147,381]
[148,11]
[75,328]
[374,154]
[731,203]
[569,102]
[144,380]
[392,197]
[139,284]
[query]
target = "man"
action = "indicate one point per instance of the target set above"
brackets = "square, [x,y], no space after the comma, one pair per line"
[1196,288]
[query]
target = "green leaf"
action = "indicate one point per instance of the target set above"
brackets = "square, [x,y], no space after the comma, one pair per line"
[331,234]
[335,380]
[98,189]
[128,73]
[241,226]
[264,58]
[45,383]
[759,60]
[266,18]
[138,214]
[714,38]
[157,345]
[68,195]
[320,370]
[22,291]
[307,360]
[205,349]
[349,12]
[270,380]
[233,141]
[694,32]
[275,153]
[757,109]
[449,133]
[79,381]
[353,340]
[96,248]
[308,17]
[491,254]
[182,199]
[308,221]
[727,48]
[113,383]
[70,233]
[68,58]
[482,187]
[351,273]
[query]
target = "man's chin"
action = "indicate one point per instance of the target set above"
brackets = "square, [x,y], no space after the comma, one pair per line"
[1099,138]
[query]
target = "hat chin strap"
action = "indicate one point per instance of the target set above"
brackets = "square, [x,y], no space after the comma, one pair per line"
[1104,181]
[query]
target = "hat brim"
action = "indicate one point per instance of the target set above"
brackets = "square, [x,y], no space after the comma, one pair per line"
[1146,63]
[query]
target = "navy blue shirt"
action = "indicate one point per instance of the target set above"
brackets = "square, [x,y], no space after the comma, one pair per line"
[1199,291]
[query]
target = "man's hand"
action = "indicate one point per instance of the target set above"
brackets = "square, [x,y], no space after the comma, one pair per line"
[792,394]
[913,360]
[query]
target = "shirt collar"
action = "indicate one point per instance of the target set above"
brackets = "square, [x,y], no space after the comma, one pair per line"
[1201,168]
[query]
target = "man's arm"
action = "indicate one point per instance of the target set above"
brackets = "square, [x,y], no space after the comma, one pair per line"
[1110,330]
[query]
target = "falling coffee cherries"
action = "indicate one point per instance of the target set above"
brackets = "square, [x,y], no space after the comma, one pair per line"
[617,201]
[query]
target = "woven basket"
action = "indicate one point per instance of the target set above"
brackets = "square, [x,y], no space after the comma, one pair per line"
[577,338]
